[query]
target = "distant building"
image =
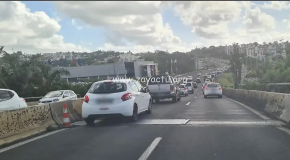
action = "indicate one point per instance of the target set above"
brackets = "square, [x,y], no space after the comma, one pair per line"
[95,72]
[139,68]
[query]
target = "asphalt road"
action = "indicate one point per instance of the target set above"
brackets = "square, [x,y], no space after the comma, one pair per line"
[192,129]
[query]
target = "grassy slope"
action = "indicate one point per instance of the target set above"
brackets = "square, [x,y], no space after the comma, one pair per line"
[226,79]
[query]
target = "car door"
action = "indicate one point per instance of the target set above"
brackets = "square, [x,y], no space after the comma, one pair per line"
[145,96]
[137,95]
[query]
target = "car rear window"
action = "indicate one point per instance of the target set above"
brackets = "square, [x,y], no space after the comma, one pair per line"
[159,80]
[5,95]
[181,86]
[105,87]
[188,84]
[213,85]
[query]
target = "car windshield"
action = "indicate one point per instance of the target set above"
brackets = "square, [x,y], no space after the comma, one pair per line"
[159,80]
[188,84]
[108,87]
[53,94]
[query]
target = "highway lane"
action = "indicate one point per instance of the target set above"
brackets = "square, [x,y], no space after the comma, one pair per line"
[219,129]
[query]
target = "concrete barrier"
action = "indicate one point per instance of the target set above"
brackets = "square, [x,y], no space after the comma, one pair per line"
[278,104]
[25,122]
[57,111]
[15,123]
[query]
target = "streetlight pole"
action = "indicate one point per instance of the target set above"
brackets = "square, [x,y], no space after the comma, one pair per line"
[114,70]
[171,66]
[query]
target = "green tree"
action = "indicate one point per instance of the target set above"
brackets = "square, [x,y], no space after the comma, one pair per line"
[236,62]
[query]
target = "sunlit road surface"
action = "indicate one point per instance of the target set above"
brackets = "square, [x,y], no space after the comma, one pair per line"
[192,129]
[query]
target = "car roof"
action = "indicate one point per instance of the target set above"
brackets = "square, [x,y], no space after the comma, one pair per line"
[116,80]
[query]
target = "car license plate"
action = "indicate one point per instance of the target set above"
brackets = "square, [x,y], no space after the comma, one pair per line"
[104,108]
[104,100]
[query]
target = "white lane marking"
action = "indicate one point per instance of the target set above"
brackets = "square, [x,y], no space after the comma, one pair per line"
[251,109]
[188,103]
[195,97]
[29,140]
[149,150]
[284,129]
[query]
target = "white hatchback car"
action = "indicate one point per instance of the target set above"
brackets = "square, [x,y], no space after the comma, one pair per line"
[10,100]
[60,95]
[124,97]
[213,89]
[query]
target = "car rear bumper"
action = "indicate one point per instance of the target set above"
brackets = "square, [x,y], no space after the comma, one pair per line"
[97,111]
[183,93]
[213,93]
[162,95]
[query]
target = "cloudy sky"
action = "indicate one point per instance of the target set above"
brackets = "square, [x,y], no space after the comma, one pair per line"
[41,27]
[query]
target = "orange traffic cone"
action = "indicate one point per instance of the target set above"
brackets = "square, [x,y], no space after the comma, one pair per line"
[66,120]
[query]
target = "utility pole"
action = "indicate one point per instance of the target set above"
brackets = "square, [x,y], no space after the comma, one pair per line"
[114,70]
[171,66]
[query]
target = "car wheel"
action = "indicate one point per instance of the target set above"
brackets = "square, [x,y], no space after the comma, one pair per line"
[221,96]
[174,99]
[204,96]
[179,98]
[90,121]
[134,116]
[149,110]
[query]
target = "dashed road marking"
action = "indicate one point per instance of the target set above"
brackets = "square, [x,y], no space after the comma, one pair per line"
[163,121]
[150,149]
[235,123]
[188,103]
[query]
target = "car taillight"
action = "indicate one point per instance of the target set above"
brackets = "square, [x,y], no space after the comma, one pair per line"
[86,99]
[171,88]
[126,96]
[220,88]
[206,88]
[185,89]
[24,100]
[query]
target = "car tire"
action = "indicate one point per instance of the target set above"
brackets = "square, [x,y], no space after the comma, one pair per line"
[149,110]
[179,98]
[204,96]
[134,116]
[174,99]
[221,96]
[90,121]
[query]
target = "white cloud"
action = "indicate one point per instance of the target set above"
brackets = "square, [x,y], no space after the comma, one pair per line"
[208,19]
[257,21]
[287,22]
[31,32]
[139,26]
[137,22]
[276,5]
[74,23]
